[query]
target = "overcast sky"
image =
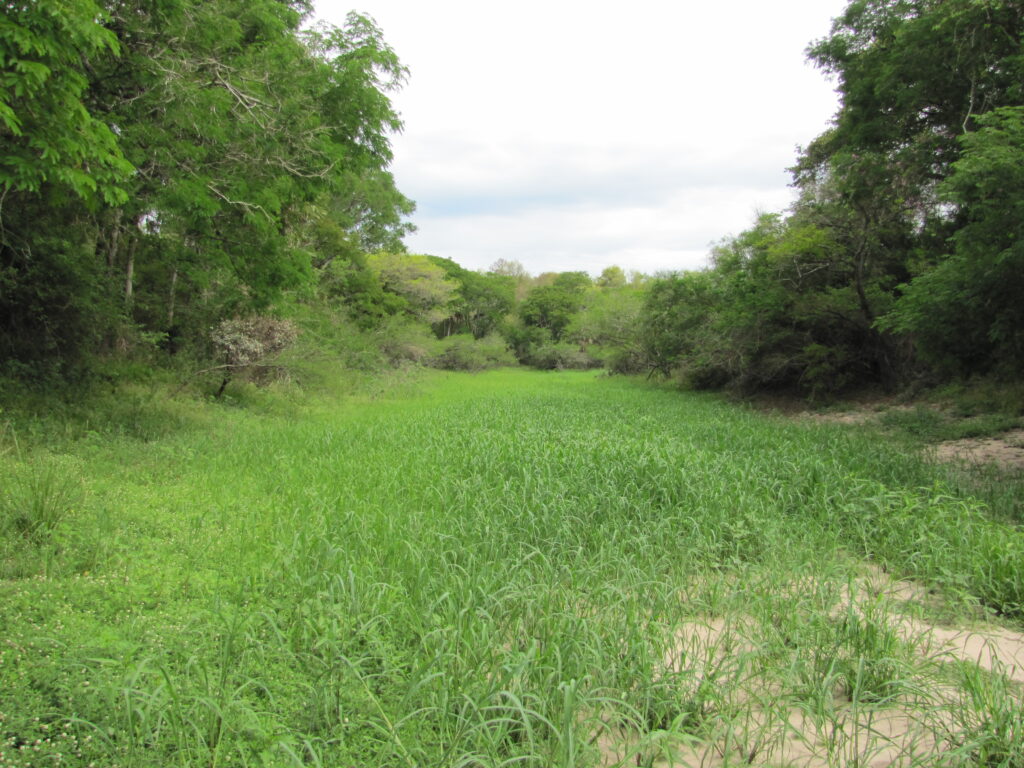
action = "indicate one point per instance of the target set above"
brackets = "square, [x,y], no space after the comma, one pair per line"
[572,135]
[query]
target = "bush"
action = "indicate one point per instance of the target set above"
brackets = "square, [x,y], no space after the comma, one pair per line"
[558,357]
[625,360]
[464,353]
[402,341]
[243,342]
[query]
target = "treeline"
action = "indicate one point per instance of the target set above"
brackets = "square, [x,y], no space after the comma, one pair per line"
[210,180]
[204,184]
[903,258]
[168,165]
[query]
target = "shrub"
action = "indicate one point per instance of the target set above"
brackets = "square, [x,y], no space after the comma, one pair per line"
[402,340]
[627,360]
[244,343]
[552,357]
[463,353]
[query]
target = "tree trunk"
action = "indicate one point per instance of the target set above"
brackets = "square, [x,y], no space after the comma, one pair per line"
[129,274]
[113,241]
[170,300]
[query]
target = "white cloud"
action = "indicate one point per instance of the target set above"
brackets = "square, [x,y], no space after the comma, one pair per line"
[572,135]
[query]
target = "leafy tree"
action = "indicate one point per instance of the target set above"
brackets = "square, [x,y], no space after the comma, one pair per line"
[913,75]
[676,318]
[550,307]
[609,320]
[916,78]
[611,277]
[778,308]
[260,149]
[514,270]
[423,285]
[480,303]
[48,134]
[966,314]
[575,283]
[509,268]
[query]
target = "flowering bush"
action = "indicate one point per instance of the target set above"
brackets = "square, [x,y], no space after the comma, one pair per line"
[247,341]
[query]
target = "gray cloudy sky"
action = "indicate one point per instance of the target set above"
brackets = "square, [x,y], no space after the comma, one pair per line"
[572,135]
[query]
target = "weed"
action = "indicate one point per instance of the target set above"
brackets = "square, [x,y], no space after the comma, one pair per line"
[36,500]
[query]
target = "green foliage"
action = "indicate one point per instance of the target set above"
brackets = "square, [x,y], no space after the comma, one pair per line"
[611,277]
[980,282]
[359,288]
[523,339]
[403,340]
[48,134]
[924,153]
[556,356]
[551,307]
[575,283]
[776,310]
[260,152]
[55,298]
[929,92]
[420,283]
[465,353]
[608,323]
[480,303]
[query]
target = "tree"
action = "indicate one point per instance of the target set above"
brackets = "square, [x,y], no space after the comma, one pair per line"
[611,277]
[423,285]
[917,79]
[675,317]
[509,268]
[609,320]
[550,307]
[966,313]
[260,152]
[48,134]
[575,283]
[480,303]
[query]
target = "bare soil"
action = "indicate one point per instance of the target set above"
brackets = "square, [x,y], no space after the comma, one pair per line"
[1005,451]
[758,726]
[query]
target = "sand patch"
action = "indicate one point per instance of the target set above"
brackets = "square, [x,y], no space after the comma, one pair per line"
[1005,450]
[791,736]
[754,716]
[993,648]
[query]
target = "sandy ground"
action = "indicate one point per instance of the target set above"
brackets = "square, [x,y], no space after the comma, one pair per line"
[764,729]
[1005,450]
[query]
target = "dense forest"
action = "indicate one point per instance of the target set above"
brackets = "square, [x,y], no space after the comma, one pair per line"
[196,185]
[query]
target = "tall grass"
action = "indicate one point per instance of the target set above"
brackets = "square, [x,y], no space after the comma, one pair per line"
[505,569]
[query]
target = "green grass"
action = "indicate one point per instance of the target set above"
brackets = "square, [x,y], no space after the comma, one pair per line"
[511,568]
[933,426]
